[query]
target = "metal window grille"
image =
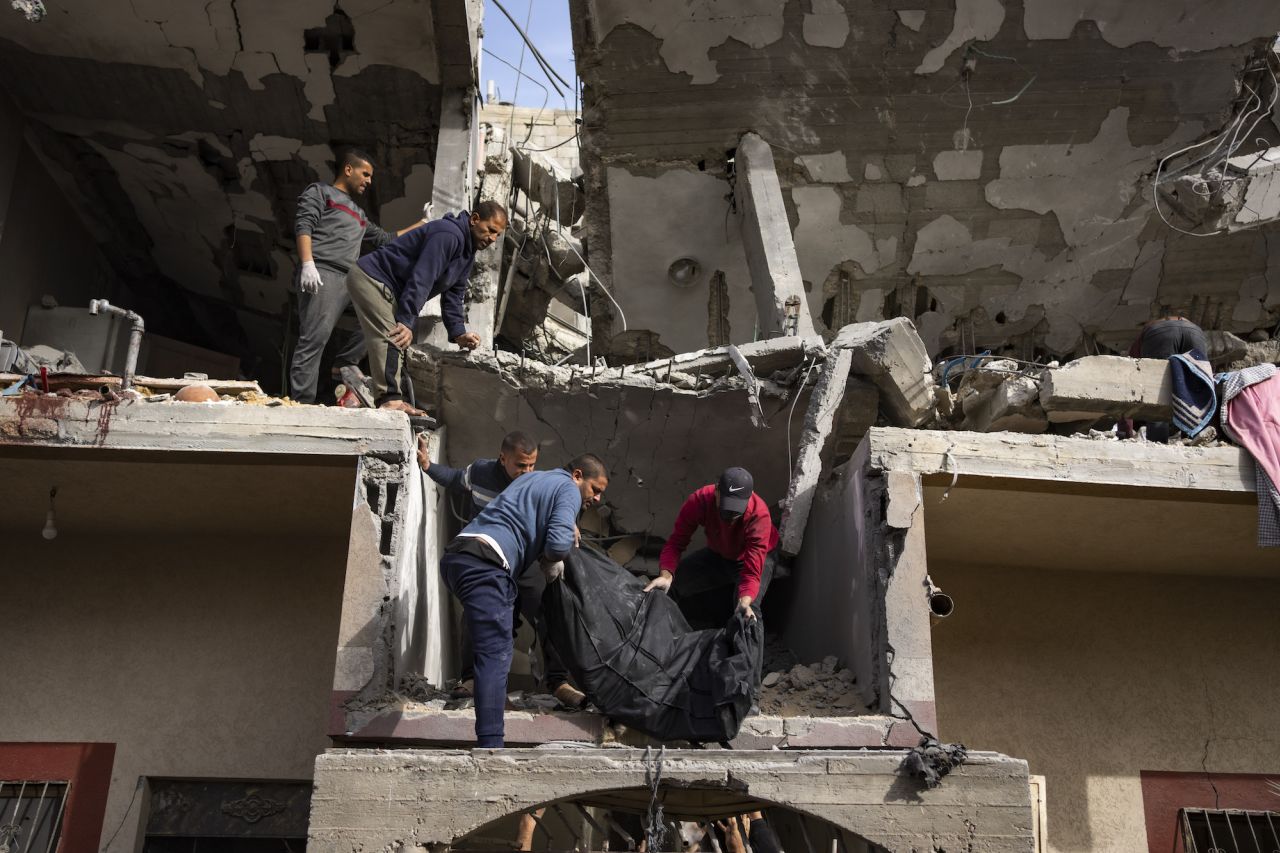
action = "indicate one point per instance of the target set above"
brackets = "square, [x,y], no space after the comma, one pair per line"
[31,815]
[1229,831]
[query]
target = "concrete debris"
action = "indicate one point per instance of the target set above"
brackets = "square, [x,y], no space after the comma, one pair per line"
[545,182]
[753,387]
[821,689]
[892,355]
[1095,386]
[932,760]
[1013,406]
[32,10]
[815,449]
[1258,352]
[32,358]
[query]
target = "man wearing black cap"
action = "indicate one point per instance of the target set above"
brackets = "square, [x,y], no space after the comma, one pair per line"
[737,564]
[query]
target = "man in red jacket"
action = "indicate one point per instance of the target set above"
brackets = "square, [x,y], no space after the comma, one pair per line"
[737,564]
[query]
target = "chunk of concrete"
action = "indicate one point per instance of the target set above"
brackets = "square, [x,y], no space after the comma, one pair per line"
[1013,406]
[891,354]
[781,303]
[1107,385]
[541,179]
[815,446]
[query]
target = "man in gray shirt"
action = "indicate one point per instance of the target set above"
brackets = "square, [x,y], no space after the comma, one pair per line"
[329,227]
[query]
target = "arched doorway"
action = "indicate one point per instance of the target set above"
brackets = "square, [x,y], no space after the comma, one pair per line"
[682,818]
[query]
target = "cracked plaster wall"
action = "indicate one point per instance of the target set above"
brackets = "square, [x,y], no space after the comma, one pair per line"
[658,444]
[1027,223]
[641,220]
[181,134]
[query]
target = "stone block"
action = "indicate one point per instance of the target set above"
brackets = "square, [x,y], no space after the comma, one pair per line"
[891,354]
[1100,385]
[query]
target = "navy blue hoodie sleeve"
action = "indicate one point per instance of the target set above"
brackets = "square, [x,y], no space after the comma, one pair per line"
[438,251]
[451,309]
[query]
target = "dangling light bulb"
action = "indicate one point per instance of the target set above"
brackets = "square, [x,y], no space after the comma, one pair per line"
[50,530]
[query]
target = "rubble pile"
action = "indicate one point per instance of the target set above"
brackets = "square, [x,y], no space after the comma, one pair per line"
[819,689]
[1090,394]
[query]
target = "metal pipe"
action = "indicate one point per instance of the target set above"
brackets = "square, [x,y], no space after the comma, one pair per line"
[97,306]
[940,604]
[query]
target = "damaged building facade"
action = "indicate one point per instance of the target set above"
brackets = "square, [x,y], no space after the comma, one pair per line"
[889,256]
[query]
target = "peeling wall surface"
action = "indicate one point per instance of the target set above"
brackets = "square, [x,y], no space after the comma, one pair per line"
[983,167]
[181,134]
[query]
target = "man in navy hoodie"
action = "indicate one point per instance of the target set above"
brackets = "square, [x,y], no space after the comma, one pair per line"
[390,285]
[532,521]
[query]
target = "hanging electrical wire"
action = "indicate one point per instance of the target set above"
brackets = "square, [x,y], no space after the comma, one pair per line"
[552,74]
[1212,174]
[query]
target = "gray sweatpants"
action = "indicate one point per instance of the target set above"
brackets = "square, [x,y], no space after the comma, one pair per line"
[375,306]
[318,315]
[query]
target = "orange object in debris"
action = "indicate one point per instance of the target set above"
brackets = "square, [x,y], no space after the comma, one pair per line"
[347,398]
[196,393]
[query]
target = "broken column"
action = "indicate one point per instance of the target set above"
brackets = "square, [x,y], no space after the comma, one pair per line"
[450,191]
[766,234]
[482,291]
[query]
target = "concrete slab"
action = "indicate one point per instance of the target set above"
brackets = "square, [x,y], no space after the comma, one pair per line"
[1061,458]
[1100,385]
[892,355]
[140,425]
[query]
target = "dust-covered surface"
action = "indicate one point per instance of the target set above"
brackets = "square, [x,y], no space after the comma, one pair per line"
[823,689]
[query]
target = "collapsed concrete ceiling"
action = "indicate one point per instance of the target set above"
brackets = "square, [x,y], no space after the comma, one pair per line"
[981,166]
[183,132]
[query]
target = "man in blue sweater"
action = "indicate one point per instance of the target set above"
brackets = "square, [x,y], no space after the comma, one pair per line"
[390,285]
[532,521]
[478,484]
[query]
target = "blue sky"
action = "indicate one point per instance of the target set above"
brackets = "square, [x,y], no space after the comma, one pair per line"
[549,29]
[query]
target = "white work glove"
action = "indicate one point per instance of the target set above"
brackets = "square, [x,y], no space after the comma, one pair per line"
[553,571]
[426,211]
[309,281]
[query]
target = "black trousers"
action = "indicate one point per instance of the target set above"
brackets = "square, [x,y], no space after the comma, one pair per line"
[705,587]
[529,587]
[1162,339]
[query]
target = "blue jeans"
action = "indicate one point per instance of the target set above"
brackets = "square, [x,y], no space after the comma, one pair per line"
[488,595]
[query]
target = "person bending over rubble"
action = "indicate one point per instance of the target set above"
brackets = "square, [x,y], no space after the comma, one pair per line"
[478,484]
[532,521]
[736,566]
[390,285]
[328,228]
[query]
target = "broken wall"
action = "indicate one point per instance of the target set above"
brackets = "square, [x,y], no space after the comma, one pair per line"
[980,167]
[1099,675]
[181,134]
[659,443]
[835,591]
